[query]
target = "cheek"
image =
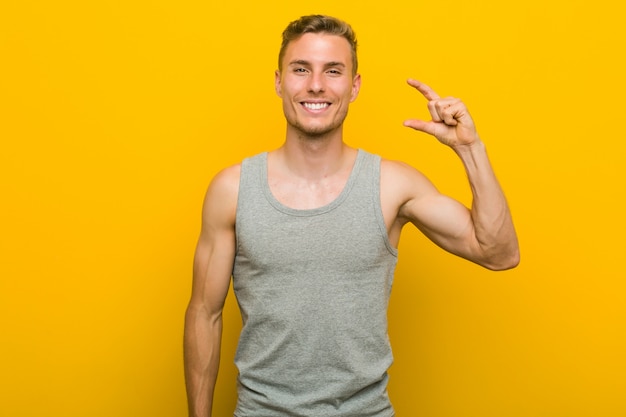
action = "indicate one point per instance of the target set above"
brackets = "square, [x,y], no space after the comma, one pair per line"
[345,90]
[289,89]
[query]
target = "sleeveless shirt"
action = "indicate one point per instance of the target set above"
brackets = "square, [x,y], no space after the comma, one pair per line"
[313,288]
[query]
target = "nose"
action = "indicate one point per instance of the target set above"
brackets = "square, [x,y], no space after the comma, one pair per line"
[316,82]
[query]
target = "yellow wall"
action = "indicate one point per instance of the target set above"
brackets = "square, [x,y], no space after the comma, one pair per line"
[115,115]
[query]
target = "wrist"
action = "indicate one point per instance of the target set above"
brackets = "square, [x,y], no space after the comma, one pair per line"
[470,148]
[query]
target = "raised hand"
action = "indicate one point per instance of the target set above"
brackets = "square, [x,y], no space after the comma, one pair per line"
[451,122]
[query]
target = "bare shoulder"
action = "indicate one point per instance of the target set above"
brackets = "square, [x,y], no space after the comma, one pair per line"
[220,202]
[401,186]
[226,180]
[401,182]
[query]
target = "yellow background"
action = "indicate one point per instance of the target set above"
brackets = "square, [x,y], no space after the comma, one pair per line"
[115,115]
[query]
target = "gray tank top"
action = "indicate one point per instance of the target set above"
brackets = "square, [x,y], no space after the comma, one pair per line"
[313,288]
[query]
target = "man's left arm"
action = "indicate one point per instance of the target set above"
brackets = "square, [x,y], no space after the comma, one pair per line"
[485,234]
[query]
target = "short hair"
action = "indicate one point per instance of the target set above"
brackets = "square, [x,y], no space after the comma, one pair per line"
[318,24]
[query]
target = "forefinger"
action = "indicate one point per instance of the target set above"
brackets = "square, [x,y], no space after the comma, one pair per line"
[426,91]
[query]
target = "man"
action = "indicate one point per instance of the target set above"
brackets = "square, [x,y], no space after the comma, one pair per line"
[309,234]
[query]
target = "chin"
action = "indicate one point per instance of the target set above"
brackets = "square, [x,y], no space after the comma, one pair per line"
[316,131]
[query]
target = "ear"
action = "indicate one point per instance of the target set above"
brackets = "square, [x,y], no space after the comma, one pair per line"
[277,83]
[356,87]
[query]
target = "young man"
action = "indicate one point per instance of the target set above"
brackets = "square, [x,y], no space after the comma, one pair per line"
[309,234]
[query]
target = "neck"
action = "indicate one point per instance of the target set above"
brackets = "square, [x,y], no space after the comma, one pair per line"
[314,157]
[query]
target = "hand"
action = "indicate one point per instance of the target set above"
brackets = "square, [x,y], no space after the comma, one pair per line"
[451,123]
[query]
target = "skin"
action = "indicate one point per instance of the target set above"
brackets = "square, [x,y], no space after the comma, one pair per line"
[310,169]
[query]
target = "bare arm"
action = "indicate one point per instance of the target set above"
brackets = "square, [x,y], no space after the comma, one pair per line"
[212,270]
[485,234]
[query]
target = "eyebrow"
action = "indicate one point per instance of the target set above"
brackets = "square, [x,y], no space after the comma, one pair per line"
[335,64]
[326,65]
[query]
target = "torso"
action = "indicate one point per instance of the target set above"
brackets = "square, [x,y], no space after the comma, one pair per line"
[299,269]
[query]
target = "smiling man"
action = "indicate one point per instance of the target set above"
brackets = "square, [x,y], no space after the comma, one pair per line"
[316,84]
[309,233]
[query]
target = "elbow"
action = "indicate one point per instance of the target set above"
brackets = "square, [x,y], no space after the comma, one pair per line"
[504,261]
[505,266]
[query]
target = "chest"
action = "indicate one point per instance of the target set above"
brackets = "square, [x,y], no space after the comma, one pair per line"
[303,194]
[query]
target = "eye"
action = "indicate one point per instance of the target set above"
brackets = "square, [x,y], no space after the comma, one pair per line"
[299,70]
[334,72]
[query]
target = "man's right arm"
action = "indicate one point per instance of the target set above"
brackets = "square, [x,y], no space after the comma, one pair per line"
[213,264]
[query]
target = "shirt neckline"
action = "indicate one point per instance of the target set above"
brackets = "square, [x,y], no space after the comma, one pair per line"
[317,210]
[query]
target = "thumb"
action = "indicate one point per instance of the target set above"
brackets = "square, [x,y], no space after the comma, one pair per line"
[420,125]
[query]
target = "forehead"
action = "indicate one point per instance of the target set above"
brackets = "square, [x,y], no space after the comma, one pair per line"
[319,48]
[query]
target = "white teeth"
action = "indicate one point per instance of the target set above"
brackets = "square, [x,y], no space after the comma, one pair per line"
[315,106]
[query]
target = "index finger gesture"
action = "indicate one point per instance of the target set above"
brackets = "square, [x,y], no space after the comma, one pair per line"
[451,123]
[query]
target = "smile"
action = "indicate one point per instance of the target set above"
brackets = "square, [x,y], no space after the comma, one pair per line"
[315,106]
